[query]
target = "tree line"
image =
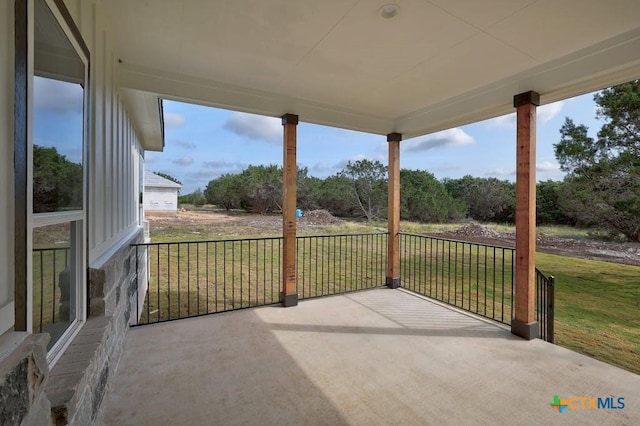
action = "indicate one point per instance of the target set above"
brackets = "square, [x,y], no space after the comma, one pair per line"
[601,188]
[360,190]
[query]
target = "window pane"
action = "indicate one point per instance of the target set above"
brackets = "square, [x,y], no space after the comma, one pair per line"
[54,280]
[58,106]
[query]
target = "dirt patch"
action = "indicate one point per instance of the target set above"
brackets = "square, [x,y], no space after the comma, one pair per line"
[627,253]
[318,217]
[222,223]
[187,217]
[475,230]
[240,223]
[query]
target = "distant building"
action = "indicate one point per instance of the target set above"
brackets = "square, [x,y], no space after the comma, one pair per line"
[160,194]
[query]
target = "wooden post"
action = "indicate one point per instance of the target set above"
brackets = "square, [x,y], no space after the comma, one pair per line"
[289,296]
[393,212]
[524,323]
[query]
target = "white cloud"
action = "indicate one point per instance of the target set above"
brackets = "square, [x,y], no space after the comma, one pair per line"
[544,113]
[58,96]
[173,119]
[150,158]
[544,170]
[185,144]
[547,166]
[255,127]
[341,164]
[202,175]
[323,169]
[183,161]
[547,112]
[508,120]
[222,166]
[500,173]
[441,140]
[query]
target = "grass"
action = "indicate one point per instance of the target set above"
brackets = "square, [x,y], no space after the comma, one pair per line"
[194,278]
[596,308]
[596,303]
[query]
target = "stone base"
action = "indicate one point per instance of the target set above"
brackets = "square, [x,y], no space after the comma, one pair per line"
[526,330]
[23,377]
[393,282]
[289,300]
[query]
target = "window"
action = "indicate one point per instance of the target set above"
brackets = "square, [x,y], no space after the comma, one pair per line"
[56,176]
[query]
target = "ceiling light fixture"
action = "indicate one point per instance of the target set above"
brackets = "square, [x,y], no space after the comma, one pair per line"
[389,11]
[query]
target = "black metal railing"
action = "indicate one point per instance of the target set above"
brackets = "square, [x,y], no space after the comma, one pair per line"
[50,305]
[545,305]
[187,279]
[478,278]
[335,264]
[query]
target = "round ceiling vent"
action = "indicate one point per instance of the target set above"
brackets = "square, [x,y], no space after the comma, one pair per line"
[389,11]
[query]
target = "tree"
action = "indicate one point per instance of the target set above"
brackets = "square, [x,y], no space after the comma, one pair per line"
[425,199]
[195,198]
[57,182]
[549,210]
[487,199]
[261,189]
[308,190]
[603,173]
[369,186]
[225,191]
[336,196]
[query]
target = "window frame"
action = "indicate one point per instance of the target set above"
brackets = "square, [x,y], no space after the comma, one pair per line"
[25,219]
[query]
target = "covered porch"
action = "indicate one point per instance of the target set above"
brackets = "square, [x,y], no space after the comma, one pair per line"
[378,356]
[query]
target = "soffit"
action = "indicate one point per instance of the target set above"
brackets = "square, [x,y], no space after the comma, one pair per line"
[437,64]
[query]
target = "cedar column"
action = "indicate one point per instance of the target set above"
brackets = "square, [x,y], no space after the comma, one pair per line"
[393,212]
[289,295]
[524,323]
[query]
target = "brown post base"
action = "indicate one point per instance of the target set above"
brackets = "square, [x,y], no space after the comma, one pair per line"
[526,330]
[393,282]
[289,300]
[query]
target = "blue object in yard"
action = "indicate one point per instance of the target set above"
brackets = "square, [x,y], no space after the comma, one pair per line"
[298,213]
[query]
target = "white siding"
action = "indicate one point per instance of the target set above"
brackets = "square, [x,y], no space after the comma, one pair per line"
[6,165]
[160,200]
[114,148]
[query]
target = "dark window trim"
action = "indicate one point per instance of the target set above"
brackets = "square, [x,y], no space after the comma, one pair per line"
[20,150]
[21,102]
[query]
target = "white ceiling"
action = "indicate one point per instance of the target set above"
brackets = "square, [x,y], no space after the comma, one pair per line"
[437,64]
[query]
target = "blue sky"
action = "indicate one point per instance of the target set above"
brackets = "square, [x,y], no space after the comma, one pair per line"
[203,143]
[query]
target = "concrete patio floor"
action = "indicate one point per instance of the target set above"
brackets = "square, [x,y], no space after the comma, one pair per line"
[369,358]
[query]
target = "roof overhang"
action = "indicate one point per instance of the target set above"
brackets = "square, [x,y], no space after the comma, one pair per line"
[436,65]
[145,110]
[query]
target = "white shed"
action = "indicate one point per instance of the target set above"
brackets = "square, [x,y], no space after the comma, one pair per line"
[160,194]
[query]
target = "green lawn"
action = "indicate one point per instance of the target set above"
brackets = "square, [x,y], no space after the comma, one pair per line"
[597,309]
[597,303]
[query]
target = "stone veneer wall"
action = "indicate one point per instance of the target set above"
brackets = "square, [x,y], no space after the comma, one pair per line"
[78,381]
[23,376]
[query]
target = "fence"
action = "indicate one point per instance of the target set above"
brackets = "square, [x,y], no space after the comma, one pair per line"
[478,278]
[545,299]
[187,279]
[50,300]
